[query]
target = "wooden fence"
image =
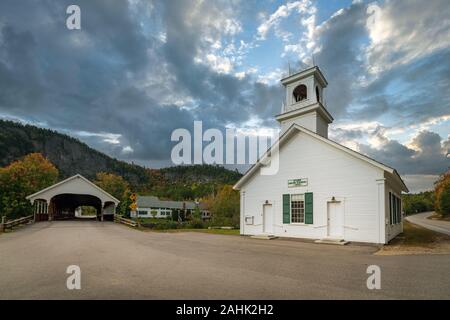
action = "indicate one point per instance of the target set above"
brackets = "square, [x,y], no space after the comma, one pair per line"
[128,222]
[5,225]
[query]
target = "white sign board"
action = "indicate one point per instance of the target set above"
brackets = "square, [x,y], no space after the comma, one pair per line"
[297,183]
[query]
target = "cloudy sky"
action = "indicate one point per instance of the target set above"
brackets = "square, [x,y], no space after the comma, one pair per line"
[137,70]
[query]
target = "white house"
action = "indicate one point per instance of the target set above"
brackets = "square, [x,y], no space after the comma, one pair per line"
[149,206]
[322,189]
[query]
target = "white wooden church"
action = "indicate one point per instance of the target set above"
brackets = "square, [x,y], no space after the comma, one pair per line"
[322,190]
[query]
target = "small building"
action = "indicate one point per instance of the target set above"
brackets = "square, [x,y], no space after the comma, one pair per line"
[151,206]
[62,200]
[322,190]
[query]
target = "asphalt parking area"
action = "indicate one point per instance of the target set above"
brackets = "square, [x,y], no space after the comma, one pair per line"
[117,262]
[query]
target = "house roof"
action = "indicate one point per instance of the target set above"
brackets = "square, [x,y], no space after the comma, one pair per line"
[294,128]
[155,202]
[77,176]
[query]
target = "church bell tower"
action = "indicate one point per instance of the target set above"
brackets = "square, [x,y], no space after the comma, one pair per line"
[304,102]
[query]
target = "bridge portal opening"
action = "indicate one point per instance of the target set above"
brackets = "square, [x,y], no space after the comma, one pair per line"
[63,206]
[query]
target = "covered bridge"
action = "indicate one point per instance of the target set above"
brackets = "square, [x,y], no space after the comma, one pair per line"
[60,200]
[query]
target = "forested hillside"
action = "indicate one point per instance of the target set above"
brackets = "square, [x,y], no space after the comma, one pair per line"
[71,156]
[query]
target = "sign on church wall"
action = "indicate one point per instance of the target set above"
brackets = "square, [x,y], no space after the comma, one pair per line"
[297,183]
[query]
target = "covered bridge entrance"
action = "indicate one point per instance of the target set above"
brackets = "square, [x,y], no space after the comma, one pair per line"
[61,200]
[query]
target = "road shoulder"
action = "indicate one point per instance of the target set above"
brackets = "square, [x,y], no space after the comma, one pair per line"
[417,240]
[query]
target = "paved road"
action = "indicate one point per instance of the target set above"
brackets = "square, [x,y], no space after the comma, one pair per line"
[435,225]
[118,262]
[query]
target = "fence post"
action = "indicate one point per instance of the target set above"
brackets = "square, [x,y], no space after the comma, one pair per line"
[2,226]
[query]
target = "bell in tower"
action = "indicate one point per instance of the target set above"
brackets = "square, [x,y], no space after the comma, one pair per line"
[304,102]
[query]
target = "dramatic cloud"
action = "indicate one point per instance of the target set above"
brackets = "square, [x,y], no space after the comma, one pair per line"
[119,77]
[283,11]
[426,155]
[400,34]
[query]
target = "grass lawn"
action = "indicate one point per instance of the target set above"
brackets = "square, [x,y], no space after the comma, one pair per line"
[150,220]
[414,235]
[211,231]
[417,240]
[186,228]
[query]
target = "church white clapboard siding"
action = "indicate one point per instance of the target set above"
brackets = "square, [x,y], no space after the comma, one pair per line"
[322,189]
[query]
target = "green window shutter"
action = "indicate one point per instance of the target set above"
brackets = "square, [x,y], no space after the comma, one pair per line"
[396,209]
[309,208]
[391,208]
[286,208]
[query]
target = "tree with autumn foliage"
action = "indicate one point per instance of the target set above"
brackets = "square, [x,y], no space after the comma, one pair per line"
[21,178]
[224,206]
[442,193]
[116,186]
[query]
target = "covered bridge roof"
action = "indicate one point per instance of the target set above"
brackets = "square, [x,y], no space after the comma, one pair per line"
[76,184]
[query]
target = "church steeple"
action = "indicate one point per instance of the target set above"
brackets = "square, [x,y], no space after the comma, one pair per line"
[304,102]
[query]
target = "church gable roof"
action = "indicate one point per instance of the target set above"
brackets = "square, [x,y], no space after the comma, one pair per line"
[295,128]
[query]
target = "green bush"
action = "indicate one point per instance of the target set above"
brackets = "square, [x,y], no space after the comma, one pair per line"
[160,224]
[165,225]
[195,224]
[442,190]
[224,207]
[174,215]
[444,201]
[420,202]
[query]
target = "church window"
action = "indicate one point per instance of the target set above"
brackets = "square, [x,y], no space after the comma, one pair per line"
[318,94]
[298,208]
